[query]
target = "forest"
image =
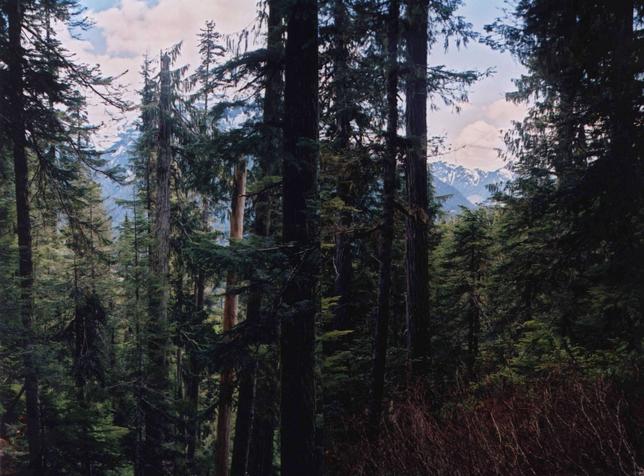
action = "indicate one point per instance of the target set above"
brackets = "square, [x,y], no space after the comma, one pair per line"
[283,290]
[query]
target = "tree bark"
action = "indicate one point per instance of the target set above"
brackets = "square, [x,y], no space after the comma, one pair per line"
[301,225]
[244,420]
[417,223]
[229,320]
[260,460]
[16,126]
[387,229]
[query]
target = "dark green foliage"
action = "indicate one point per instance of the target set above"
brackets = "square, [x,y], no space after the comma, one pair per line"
[525,314]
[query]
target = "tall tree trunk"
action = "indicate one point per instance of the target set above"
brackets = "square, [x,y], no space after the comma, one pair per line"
[417,222]
[158,384]
[257,412]
[244,417]
[301,229]
[387,229]
[16,126]
[229,320]
[343,254]
[265,417]
[623,102]
[138,453]
[194,370]
[626,165]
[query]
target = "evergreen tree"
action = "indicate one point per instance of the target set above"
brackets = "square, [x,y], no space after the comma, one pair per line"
[300,229]
[567,198]
[387,227]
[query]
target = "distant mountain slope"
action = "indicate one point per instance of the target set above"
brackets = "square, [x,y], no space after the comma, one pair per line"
[119,154]
[457,185]
[471,183]
[452,199]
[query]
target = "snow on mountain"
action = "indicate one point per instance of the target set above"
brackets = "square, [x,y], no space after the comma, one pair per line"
[118,154]
[455,185]
[451,199]
[471,183]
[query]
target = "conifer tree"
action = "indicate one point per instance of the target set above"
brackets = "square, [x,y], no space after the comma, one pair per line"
[229,320]
[563,190]
[158,338]
[256,414]
[17,126]
[417,230]
[387,226]
[300,230]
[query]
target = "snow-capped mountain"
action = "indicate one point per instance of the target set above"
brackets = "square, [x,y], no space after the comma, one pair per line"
[455,185]
[451,199]
[118,154]
[471,183]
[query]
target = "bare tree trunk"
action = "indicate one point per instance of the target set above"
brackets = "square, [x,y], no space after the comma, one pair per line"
[343,254]
[244,419]
[301,229]
[230,319]
[16,126]
[627,167]
[387,230]
[417,224]
[265,418]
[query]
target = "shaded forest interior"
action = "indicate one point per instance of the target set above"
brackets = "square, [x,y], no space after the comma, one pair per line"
[285,294]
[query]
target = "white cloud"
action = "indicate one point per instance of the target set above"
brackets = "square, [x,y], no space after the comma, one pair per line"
[502,112]
[475,135]
[133,28]
[476,145]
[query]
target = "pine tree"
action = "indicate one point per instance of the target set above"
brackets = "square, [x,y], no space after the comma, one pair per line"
[343,112]
[564,191]
[461,292]
[17,127]
[256,415]
[158,345]
[229,320]
[416,176]
[300,229]
[387,227]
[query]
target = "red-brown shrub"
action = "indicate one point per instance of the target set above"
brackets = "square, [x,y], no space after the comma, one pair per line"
[563,426]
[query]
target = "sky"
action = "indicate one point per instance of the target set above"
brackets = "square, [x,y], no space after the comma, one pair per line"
[125,30]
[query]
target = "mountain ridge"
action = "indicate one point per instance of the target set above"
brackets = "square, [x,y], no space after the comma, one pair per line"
[456,185]
[472,183]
